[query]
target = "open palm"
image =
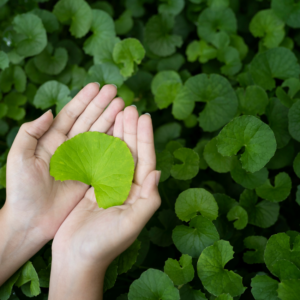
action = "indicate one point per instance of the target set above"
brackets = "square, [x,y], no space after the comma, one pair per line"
[32,194]
[94,234]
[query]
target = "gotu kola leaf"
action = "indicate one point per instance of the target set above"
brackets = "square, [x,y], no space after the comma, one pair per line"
[103,161]
[251,133]
[211,270]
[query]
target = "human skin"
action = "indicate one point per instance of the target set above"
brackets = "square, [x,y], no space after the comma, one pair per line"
[36,204]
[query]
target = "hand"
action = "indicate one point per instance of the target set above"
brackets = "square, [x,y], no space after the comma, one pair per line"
[36,204]
[91,237]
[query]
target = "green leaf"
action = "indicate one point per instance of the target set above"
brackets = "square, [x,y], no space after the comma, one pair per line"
[277,115]
[200,150]
[264,288]
[51,93]
[247,179]
[265,24]
[289,289]
[192,201]
[163,237]
[263,214]
[214,20]
[49,20]
[166,93]
[166,133]
[107,165]
[277,193]
[200,50]
[128,258]
[164,163]
[215,160]
[190,164]
[255,136]
[127,53]
[31,35]
[78,77]
[279,248]
[3,179]
[158,35]
[152,285]
[173,62]
[224,297]
[51,61]
[258,244]
[136,7]
[172,7]
[294,121]
[12,101]
[187,293]
[240,217]
[210,268]
[6,288]
[111,275]
[193,239]
[13,76]
[103,29]
[77,13]
[253,100]
[296,165]
[180,272]
[280,63]
[106,73]
[29,276]
[124,23]
[4,60]
[231,57]
[288,11]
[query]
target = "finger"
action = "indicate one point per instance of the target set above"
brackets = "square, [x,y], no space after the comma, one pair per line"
[93,110]
[146,161]
[149,201]
[27,138]
[130,122]
[107,119]
[69,114]
[118,127]
[110,130]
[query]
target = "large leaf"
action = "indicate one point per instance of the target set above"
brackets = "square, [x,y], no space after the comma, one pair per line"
[107,165]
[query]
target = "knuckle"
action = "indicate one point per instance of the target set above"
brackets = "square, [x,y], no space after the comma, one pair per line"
[70,113]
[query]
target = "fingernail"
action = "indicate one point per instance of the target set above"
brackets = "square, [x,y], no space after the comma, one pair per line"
[49,110]
[133,105]
[147,114]
[157,177]
[114,85]
[97,83]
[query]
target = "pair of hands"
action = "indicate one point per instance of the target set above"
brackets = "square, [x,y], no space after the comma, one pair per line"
[41,208]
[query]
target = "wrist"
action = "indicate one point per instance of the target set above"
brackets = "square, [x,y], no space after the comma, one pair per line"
[18,243]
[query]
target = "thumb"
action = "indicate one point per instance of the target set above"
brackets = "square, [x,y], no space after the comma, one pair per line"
[149,200]
[27,138]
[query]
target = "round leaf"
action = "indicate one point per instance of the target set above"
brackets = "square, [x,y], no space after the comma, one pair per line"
[239,216]
[255,136]
[294,121]
[97,159]
[264,287]
[4,60]
[152,285]
[258,244]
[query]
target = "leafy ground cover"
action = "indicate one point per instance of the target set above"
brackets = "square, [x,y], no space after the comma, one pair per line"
[221,81]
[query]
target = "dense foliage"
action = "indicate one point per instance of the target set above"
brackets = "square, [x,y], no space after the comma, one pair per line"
[221,81]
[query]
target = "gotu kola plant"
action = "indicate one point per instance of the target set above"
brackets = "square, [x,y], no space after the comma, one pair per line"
[221,81]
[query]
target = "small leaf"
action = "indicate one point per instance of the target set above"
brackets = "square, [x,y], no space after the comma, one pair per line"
[211,269]
[12,101]
[239,216]
[166,133]
[164,163]
[180,272]
[173,7]
[251,133]
[294,121]
[124,23]
[128,52]
[13,76]
[153,284]
[6,288]
[265,24]
[111,275]
[32,36]
[107,165]
[279,63]
[193,239]
[187,293]
[190,164]
[4,60]
[192,201]
[258,244]
[75,12]
[277,193]
[264,214]
[158,35]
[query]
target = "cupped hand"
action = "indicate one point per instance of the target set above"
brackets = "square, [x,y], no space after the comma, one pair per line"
[94,236]
[35,200]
